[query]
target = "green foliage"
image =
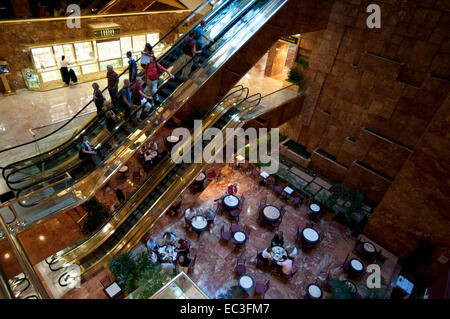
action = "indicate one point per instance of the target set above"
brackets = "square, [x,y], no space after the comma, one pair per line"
[302,62]
[329,201]
[97,214]
[142,272]
[125,269]
[152,278]
[295,76]
[375,293]
[340,289]
[234,292]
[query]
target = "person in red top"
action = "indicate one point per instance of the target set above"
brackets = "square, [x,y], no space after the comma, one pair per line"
[113,83]
[141,96]
[232,189]
[188,54]
[153,70]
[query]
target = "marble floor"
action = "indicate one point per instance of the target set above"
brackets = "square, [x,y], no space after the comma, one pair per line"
[214,269]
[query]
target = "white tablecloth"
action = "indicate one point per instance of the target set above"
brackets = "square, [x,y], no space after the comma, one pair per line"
[172,139]
[200,177]
[231,201]
[199,222]
[278,253]
[310,234]
[271,212]
[314,207]
[369,247]
[288,190]
[264,175]
[246,282]
[314,291]
[239,237]
[356,265]
[167,251]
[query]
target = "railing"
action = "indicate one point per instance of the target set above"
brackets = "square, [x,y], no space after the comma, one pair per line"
[24,150]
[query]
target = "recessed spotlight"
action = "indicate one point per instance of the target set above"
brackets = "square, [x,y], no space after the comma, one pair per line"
[7,256]
[41,237]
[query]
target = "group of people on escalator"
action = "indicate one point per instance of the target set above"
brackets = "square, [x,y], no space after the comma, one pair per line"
[133,91]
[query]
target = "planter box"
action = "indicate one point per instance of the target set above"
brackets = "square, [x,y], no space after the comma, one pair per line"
[294,157]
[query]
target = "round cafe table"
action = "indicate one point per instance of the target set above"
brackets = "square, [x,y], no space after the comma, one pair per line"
[314,291]
[246,282]
[199,223]
[240,237]
[356,265]
[310,235]
[172,140]
[271,213]
[369,248]
[231,201]
[278,253]
[200,178]
[314,208]
[123,170]
[165,252]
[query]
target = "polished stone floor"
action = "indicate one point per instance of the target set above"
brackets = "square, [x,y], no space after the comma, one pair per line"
[214,269]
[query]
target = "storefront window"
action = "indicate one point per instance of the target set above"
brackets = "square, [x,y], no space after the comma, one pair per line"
[89,68]
[31,78]
[43,57]
[115,63]
[84,51]
[138,42]
[125,44]
[108,50]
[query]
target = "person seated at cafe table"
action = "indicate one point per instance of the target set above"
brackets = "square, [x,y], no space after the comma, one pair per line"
[265,255]
[286,266]
[210,216]
[151,243]
[278,239]
[232,189]
[167,263]
[183,247]
[291,250]
[169,238]
[183,263]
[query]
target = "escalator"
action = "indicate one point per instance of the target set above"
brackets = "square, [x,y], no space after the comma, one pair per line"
[36,172]
[120,236]
[165,173]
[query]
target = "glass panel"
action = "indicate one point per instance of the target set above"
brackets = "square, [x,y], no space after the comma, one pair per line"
[125,44]
[84,51]
[68,52]
[51,76]
[115,63]
[43,57]
[108,50]
[138,43]
[32,78]
[153,38]
[58,49]
[89,68]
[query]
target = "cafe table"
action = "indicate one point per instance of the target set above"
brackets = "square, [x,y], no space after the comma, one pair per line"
[356,265]
[166,252]
[314,208]
[289,191]
[246,282]
[199,223]
[278,253]
[113,290]
[264,175]
[369,248]
[123,170]
[271,213]
[310,235]
[231,201]
[200,178]
[240,237]
[314,291]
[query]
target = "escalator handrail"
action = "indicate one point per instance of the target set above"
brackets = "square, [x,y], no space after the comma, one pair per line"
[174,47]
[83,108]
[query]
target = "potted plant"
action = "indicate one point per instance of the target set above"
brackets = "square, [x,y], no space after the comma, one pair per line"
[125,269]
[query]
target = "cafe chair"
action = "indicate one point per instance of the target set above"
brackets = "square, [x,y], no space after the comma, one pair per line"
[296,202]
[235,215]
[255,174]
[261,288]
[244,166]
[187,222]
[240,268]
[220,207]
[349,271]
[136,177]
[278,190]
[235,228]
[262,204]
[224,235]
[192,265]
[270,181]
[247,230]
